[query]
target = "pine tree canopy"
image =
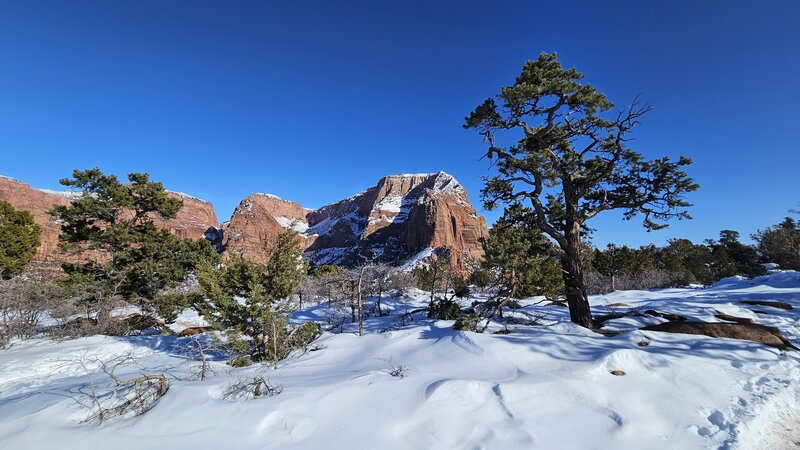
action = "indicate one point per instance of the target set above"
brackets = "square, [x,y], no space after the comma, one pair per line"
[133,258]
[568,162]
[19,239]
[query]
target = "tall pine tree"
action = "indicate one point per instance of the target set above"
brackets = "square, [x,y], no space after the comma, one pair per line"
[560,158]
[130,257]
[250,302]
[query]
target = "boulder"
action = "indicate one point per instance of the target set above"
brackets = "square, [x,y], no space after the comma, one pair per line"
[729,318]
[745,331]
[779,305]
[194,331]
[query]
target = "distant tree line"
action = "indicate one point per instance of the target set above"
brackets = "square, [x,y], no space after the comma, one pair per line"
[680,262]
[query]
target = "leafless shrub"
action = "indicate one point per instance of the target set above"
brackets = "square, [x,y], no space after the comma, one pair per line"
[24,302]
[528,318]
[596,283]
[394,369]
[643,279]
[250,388]
[317,347]
[199,351]
[85,310]
[126,396]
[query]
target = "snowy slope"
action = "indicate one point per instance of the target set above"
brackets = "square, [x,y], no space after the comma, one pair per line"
[546,386]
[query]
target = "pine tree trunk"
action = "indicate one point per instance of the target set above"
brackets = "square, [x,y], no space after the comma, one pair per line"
[274,342]
[577,300]
[380,294]
[360,305]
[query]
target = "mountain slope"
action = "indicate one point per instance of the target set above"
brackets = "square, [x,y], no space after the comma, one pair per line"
[398,218]
[403,217]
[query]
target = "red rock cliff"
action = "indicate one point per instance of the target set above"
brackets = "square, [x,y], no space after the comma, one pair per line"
[192,221]
[395,220]
[256,222]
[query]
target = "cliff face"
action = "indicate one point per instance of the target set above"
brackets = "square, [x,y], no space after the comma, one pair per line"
[400,217]
[256,222]
[403,217]
[23,197]
[193,221]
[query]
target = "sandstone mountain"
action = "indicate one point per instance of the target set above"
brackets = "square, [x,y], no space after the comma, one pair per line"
[23,197]
[403,219]
[257,221]
[195,220]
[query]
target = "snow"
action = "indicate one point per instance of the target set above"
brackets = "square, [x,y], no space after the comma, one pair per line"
[266,195]
[393,204]
[72,195]
[353,219]
[273,196]
[295,224]
[418,259]
[331,255]
[323,227]
[187,196]
[544,386]
[390,203]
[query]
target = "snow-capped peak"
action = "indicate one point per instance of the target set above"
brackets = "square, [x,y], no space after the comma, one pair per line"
[187,196]
[72,195]
[264,194]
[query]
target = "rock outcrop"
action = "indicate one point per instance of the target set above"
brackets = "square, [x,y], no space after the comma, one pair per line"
[256,223]
[23,197]
[194,220]
[403,217]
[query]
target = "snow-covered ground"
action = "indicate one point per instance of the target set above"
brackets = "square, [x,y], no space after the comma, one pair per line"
[543,386]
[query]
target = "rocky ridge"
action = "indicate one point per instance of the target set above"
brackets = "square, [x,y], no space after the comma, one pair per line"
[403,219]
[195,220]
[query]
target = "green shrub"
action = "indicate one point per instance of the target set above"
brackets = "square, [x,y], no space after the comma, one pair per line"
[19,239]
[444,309]
[468,321]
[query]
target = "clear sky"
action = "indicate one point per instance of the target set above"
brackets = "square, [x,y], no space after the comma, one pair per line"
[315,101]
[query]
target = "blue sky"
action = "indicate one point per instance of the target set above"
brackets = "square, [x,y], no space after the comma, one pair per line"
[315,101]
